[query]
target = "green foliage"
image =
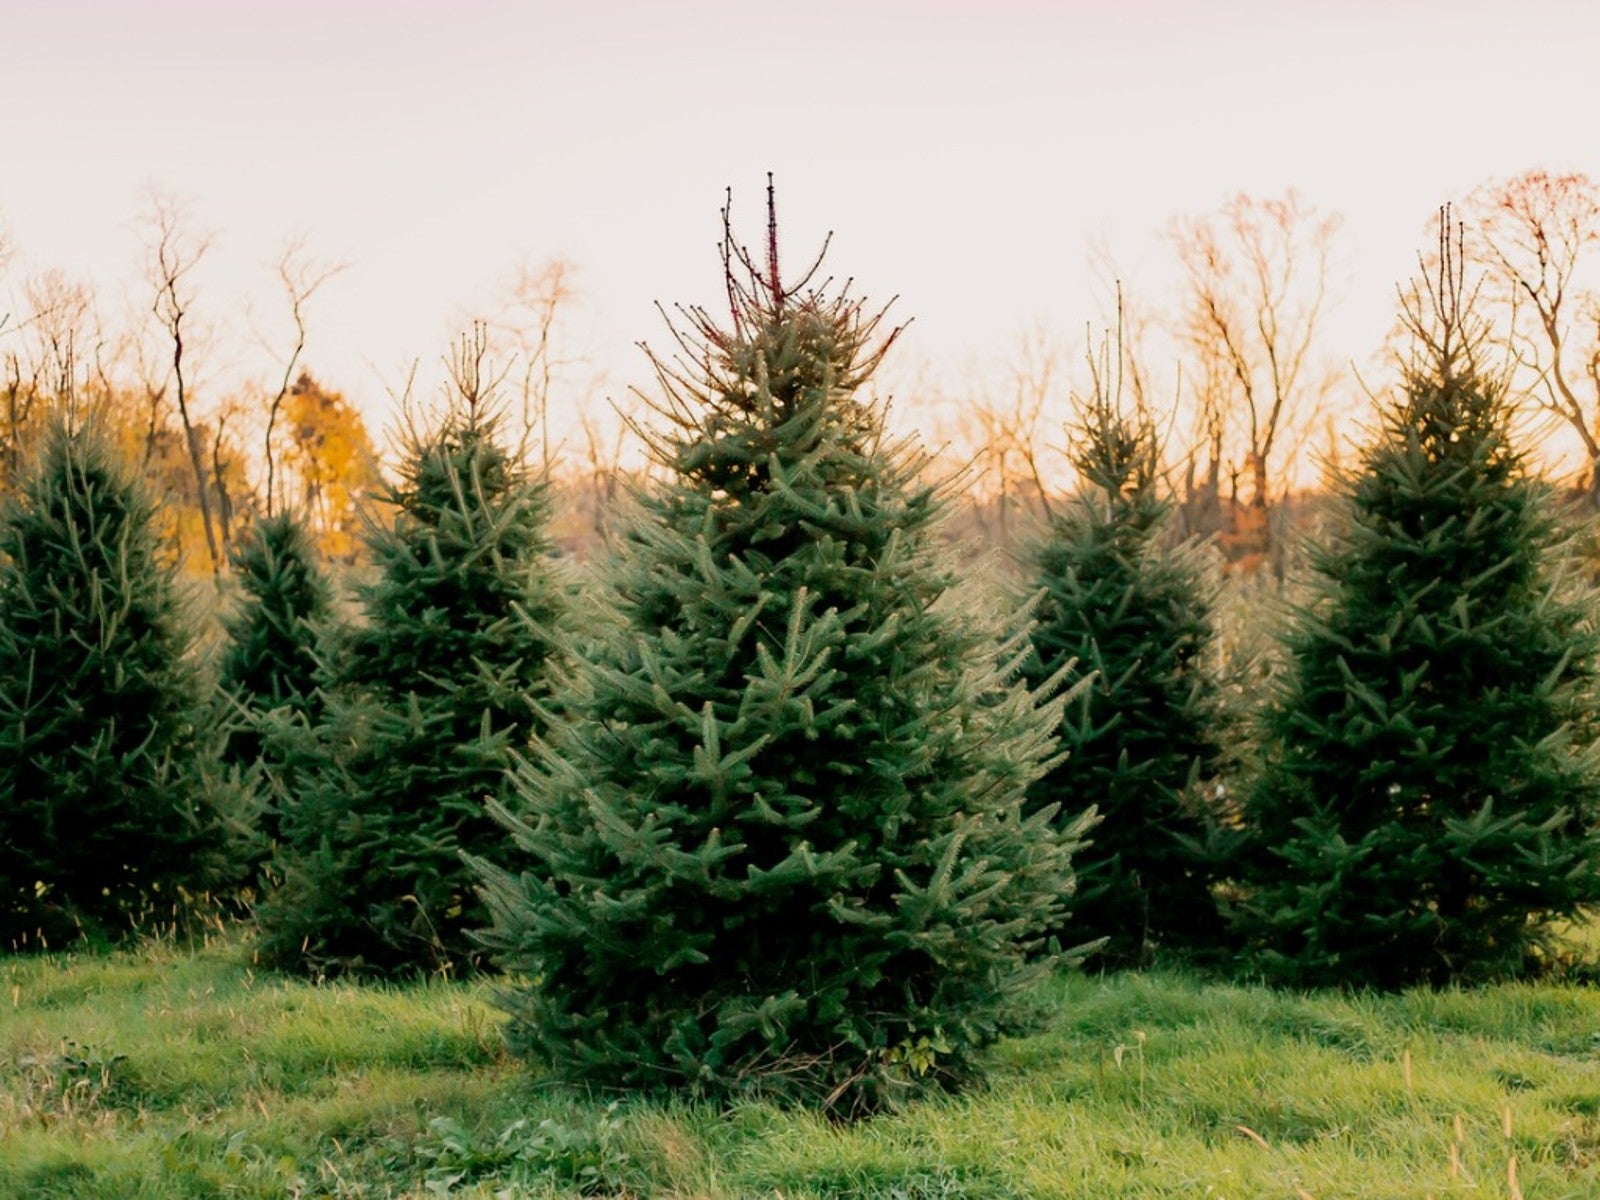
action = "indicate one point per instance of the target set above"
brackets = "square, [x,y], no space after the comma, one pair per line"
[71,1081]
[580,1157]
[424,704]
[271,656]
[775,845]
[1428,804]
[111,802]
[1127,615]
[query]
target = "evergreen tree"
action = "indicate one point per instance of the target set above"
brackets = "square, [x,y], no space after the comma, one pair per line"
[1429,795]
[775,844]
[425,702]
[1127,614]
[271,659]
[109,804]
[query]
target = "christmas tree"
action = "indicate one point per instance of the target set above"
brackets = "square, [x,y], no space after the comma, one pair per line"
[775,844]
[425,701]
[111,808]
[270,661]
[1429,795]
[1126,612]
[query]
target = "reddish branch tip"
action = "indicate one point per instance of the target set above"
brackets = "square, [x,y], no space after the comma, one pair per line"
[772,244]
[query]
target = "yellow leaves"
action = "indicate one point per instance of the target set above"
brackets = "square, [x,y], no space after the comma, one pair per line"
[330,456]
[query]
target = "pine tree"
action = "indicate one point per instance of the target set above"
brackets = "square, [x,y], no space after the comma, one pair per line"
[110,806]
[271,656]
[1127,614]
[1430,790]
[775,843]
[426,701]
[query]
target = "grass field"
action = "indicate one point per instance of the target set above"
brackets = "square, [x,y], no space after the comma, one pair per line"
[170,1072]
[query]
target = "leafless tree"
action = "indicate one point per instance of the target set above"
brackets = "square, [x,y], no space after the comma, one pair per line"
[41,365]
[221,460]
[607,434]
[300,276]
[1013,421]
[536,298]
[1256,289]
[174,252]
[154,376]
[1540,235]
[61,321]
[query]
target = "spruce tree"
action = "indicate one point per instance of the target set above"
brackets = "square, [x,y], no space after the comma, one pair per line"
[271,657]
[1429,794]
[1126,612]
[110,806]
[775,844]
[425,701]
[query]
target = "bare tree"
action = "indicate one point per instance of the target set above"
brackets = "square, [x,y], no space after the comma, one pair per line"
[174,252]
[1013,420]
[154,379]
[41,364]
[65,328]
[530,321]
[299,276]
[221,460]
[1539,233]
[1256,282]
[606,442]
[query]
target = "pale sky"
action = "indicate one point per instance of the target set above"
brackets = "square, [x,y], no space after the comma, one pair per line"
[966,154]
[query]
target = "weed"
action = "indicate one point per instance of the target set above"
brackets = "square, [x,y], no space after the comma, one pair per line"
[582,1155]
[72,1082]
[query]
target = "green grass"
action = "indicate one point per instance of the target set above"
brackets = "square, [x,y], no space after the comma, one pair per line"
[165,1072]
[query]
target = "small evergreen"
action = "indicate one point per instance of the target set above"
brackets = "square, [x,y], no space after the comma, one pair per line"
[111,806]
[775,844]
[271,656]
[1126,612]
[1428,805]
[425,702]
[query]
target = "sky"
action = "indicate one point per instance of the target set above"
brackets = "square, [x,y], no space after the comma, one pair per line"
[967,156]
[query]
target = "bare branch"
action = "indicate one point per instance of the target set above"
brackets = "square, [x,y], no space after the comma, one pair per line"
[174,252]
[1541,235]
[300,277]
[1257,278]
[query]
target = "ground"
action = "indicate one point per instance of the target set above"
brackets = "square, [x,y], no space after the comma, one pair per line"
[182,1071]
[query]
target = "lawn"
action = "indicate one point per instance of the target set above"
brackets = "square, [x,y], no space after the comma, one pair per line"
[179,1072]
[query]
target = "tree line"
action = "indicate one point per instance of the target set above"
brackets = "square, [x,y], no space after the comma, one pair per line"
[1237,357]
[1255,396]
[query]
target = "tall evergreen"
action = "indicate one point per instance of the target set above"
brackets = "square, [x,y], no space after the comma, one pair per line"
[1430,792]
[1126,612]
[425,702]
[775,844]
[110,804]
[271,657]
